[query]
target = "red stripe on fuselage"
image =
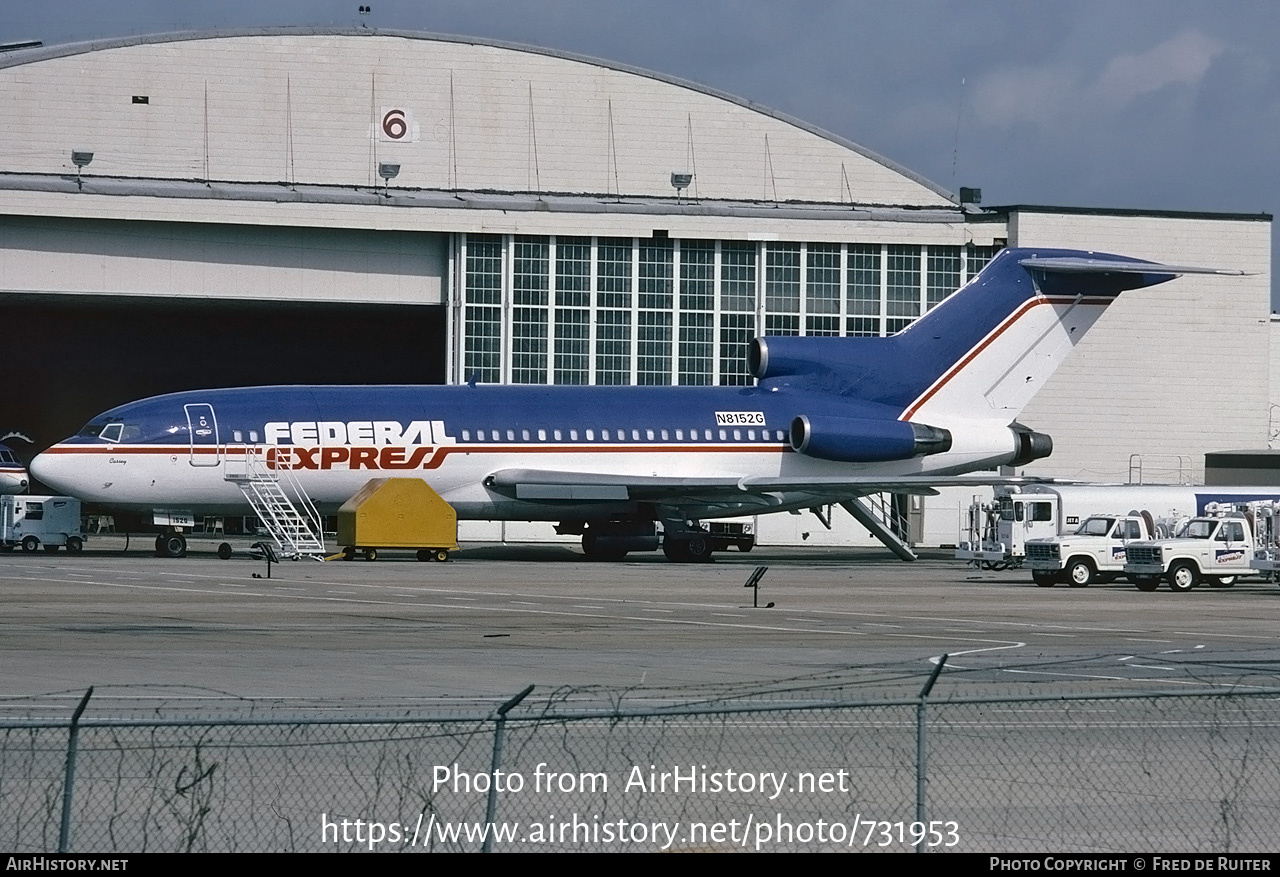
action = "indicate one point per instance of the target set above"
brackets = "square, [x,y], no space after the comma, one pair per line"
[412,457]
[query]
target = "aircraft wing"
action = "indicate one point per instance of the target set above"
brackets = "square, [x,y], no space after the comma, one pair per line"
[550,486]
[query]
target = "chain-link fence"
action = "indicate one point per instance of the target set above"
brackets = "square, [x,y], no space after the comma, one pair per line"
[1162,772]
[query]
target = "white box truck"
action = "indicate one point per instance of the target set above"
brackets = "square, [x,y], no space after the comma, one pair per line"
[35,522]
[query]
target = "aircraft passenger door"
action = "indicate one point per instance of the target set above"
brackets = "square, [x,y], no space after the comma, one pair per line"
[202,426]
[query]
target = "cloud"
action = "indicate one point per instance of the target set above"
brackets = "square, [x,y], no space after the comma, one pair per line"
[1181,60]
[1044,94]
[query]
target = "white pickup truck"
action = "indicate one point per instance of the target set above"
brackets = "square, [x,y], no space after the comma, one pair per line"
[1213,549]
[1095,552]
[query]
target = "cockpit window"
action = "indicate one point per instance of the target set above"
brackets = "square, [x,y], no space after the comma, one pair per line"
[112,431]
[7,456]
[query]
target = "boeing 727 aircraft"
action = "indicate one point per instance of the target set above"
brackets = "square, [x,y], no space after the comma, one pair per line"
[830,420]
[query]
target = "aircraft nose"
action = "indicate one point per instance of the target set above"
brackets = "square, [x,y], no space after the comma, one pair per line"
[50,468]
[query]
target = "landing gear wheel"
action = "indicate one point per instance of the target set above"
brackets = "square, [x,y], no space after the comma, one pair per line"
[1146,583]
[371,554]
[172,545]
[1080,574]
[1183,577]
[1044,578]
[695,550]
[30,544]
[1222,581]
[224,551]
[75,544]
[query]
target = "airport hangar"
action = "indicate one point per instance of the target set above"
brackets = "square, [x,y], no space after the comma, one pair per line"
[357,206]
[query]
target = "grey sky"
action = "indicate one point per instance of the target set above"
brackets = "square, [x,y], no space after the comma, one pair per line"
[1149,104]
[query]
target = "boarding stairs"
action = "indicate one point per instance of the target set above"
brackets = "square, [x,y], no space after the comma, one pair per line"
[294,523]
[884,514]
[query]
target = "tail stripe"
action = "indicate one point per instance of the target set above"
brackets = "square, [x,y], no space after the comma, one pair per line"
[959,366]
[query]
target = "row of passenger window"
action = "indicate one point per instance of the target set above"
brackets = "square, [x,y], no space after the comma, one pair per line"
[623,435]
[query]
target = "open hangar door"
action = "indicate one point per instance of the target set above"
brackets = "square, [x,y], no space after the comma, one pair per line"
[101,312]
[71,357]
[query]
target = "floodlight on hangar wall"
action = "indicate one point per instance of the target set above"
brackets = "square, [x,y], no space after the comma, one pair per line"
[388,172]
[680,182]
[80,158]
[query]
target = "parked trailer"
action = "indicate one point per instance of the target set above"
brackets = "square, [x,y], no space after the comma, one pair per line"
[998,531]
[34,522]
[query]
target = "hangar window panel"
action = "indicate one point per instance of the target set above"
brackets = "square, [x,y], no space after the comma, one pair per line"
[863,290]
[531,265]
[736,331]
[613,311]
[573,346]
[697,320]
[654,284]
[613,273]
[782,279]
[653,348]
[697,275]
[482,312]
[781,324]
[943,277]
[572,314]
[697,347]
[573,272]
[976,258]
[864,327]
[823,289]
[903,293]
[738,276]
[613,347]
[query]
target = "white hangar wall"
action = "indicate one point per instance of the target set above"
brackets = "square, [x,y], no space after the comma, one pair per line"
[47,255]
[1176,369]
[309,108]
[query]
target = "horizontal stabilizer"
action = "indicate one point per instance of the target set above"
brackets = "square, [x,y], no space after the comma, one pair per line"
[1104,265]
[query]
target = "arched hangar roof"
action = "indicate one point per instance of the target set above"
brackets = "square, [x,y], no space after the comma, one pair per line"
[327,107]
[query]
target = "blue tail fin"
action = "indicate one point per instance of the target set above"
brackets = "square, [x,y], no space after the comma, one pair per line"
[986,348]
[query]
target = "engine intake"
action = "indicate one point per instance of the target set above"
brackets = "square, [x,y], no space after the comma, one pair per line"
[862,440]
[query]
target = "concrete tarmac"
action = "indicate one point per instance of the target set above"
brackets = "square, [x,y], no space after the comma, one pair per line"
[850,623]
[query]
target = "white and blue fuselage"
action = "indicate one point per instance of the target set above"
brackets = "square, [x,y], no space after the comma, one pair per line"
[830,419]
[174,451]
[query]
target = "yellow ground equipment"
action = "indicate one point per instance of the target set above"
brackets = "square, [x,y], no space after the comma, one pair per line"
[397,513]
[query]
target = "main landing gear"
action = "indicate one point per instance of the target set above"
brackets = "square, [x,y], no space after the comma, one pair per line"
[688,549]
[171,543]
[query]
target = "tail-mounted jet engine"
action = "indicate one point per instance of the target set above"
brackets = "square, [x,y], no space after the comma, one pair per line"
[1032,445]
[862,440]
